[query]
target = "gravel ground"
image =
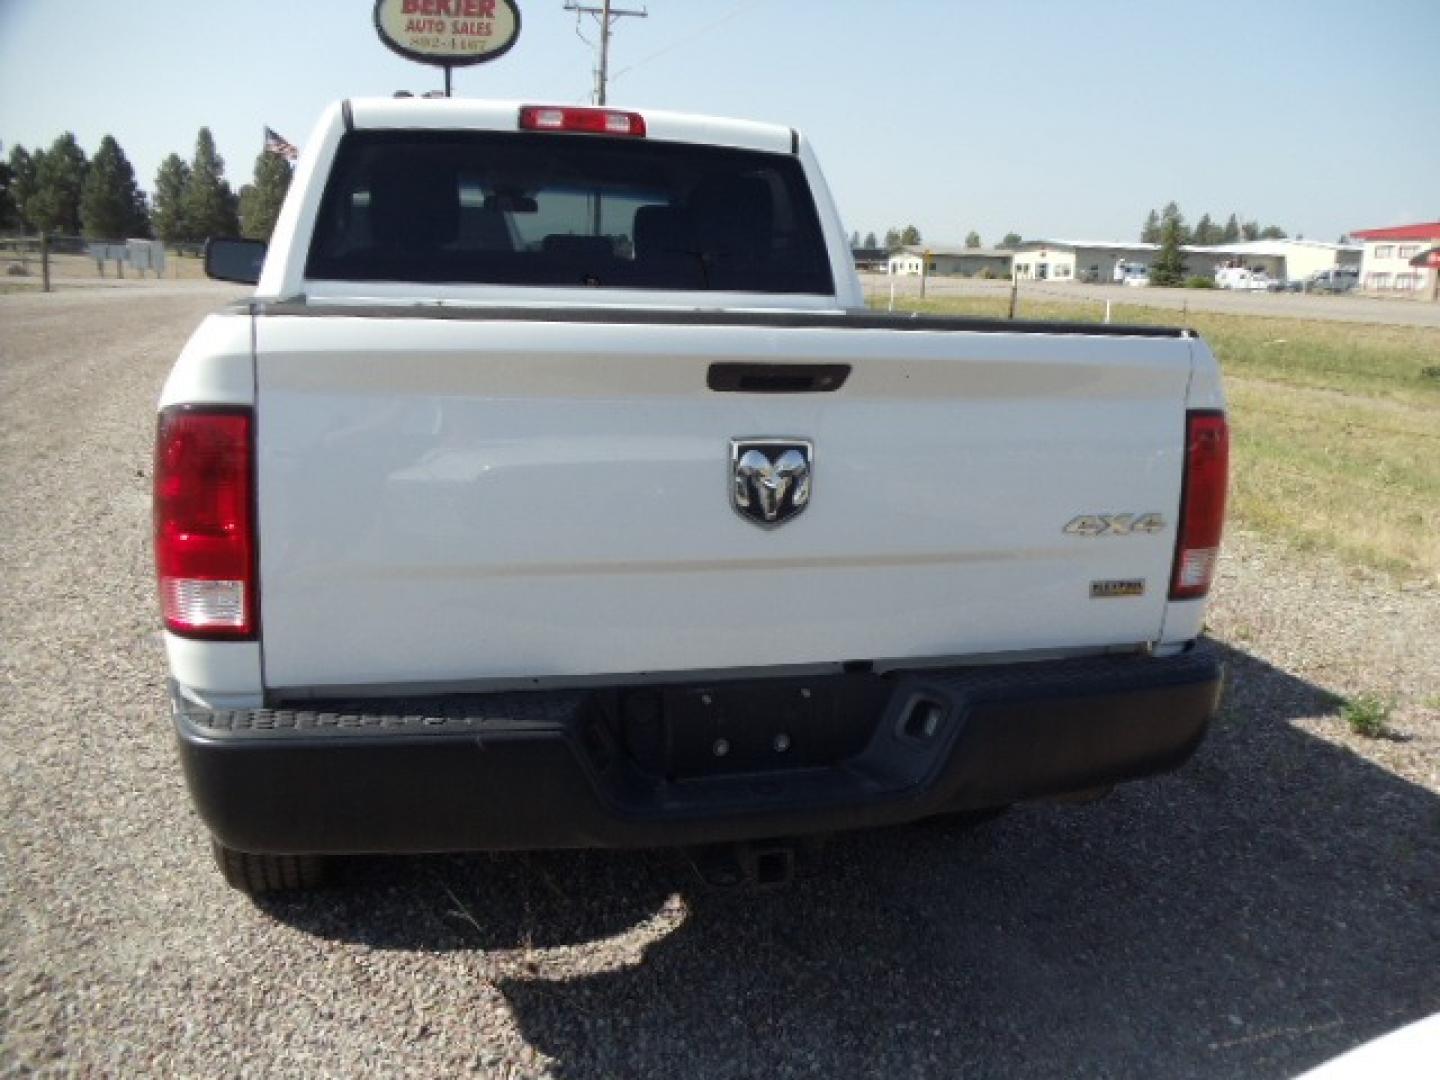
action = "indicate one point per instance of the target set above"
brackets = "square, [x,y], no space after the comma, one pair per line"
[1268,906]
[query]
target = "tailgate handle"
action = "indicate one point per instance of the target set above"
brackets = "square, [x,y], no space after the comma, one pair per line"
[777,378]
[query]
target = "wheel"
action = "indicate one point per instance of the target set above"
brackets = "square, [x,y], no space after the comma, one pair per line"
[256,875]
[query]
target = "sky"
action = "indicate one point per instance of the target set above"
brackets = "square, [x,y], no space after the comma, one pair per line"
[1057,120]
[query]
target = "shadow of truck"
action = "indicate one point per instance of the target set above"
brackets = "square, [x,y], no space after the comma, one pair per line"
[1271,904]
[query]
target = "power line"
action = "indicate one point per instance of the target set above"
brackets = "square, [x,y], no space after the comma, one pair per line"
[702,32]
[606,16]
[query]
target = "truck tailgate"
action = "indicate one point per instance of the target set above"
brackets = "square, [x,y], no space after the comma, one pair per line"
[449,499]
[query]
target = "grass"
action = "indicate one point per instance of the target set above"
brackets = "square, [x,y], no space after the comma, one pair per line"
[1352,475]
[1366,715]
[1336,427]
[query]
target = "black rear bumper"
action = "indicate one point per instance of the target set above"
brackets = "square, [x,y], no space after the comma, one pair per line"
[685,764]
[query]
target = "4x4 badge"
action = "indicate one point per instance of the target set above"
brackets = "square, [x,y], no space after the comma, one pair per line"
[1114,524]
[771,478]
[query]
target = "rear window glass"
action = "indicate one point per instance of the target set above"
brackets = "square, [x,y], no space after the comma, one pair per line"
[539,208]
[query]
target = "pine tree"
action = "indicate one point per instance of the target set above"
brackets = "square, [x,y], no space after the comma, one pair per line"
[1011,242]
[260,202]
[140,217]
[22,181]
[9,211]
[1169,266]
[892,239]
[1232,231]
[171,183]
[870,241]
[972,239]
[1205,231]
[854,236]
[59,178]
[1250,230]
[910,235]
[1272,232]
[209,205]
[1171,213]
[1150,231]
[111,206]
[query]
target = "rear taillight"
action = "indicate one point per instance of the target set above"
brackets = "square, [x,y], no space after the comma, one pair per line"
[1202,504]
[590,121]
[205,521]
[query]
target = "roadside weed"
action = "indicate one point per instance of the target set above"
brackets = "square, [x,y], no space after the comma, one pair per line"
[1366,715]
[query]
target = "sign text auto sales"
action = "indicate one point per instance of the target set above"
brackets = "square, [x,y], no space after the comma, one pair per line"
[450,33]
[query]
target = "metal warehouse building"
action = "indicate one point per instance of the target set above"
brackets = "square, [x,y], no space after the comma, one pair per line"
[1283,260]
[1096,260]
[1078,260]
[950,260]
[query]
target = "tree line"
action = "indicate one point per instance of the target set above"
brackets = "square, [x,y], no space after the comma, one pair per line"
[897,237]
[63,190]
[1009,242]
[1206,230]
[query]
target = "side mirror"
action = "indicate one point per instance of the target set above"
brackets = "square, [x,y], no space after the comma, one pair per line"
[234,260]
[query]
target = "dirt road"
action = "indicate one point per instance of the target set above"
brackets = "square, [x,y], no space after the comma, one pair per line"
[1270,905]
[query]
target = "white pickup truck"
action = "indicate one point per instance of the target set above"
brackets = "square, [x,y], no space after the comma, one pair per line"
[557,489]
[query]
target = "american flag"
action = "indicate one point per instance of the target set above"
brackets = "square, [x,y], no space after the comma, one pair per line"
[274,144]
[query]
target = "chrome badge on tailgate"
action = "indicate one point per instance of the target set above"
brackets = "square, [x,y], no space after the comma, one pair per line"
[1114,524]
[770,479]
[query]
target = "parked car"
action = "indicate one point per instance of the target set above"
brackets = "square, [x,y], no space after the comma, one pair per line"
[1242,278]
[1136,274]
[1336,279]
[482,526]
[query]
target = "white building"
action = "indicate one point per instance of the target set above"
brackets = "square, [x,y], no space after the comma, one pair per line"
[947,259]
[1385,266]
[1096,260]
[1282,260]
[1078,260]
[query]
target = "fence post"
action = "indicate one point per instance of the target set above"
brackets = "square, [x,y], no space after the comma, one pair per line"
[44,260]
[1014,289]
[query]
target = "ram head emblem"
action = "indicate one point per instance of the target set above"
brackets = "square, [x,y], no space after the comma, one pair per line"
[770,479]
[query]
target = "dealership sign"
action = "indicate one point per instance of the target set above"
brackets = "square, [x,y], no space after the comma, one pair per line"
[448,33]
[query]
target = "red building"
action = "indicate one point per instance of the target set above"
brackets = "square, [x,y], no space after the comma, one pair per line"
[1386,263]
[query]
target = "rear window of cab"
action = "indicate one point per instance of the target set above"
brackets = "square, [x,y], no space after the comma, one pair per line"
[560,209]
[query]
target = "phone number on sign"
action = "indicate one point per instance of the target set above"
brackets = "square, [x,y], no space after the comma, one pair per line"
[449,44]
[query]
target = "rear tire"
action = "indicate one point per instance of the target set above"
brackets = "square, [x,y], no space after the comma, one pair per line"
[257,875]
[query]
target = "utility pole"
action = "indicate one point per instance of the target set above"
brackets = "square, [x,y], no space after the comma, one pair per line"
[606,16]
